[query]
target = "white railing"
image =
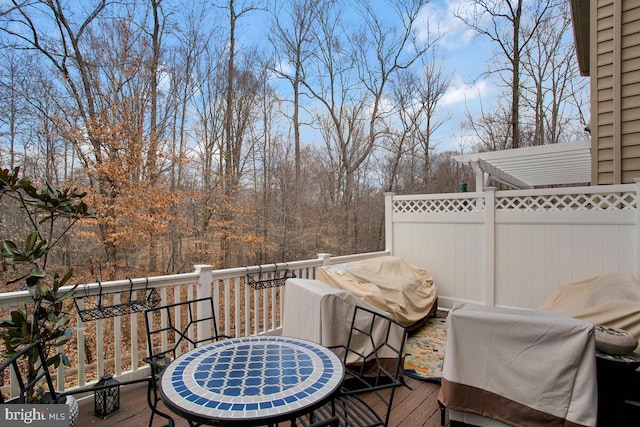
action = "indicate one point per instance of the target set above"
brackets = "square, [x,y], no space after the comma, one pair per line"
[118,344]
[514,248]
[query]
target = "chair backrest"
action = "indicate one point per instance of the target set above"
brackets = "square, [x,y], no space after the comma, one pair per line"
[41,383]
[176,328]
[377,342]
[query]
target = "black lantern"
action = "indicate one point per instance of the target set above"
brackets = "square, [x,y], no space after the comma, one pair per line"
[107,396]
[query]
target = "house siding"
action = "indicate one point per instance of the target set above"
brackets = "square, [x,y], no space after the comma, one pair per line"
[615,91]
[630,81]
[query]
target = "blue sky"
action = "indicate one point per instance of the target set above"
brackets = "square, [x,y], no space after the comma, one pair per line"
[464,57]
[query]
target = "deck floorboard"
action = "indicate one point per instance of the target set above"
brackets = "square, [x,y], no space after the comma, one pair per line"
[413,407]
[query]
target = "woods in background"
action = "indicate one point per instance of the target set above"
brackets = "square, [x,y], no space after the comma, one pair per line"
[241,132]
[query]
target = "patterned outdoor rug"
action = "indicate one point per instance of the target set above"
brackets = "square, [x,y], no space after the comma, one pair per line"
[425,351]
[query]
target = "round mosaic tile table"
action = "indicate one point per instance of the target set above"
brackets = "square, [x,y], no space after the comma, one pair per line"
[251,380]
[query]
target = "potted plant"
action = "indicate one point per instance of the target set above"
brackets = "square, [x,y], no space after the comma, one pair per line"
[49,214]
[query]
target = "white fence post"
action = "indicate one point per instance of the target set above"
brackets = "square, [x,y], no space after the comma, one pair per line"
[489,196]
[388,222]
[203,290]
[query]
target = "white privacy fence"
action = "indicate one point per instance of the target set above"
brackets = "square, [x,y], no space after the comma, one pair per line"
[513,248]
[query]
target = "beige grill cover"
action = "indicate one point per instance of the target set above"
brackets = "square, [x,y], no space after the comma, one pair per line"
[612,300]
[389,283]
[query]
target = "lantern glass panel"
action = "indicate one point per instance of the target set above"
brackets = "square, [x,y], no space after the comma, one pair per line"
[107,400]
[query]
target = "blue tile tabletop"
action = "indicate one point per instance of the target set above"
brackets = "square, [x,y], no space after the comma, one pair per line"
[251,378]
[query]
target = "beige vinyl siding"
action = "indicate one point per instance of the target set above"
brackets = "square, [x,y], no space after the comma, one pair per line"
[630,65]
[630,125]
[606,117]
[630,81]
[605,10]
[602,74]
[633,150]
[630,102]
[632,164]
[632,13]
[615,90]
[606,154]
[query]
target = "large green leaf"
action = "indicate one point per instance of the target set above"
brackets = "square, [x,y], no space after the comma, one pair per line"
[18,316]
[65,360]
[30,241]
[9,249]
[57,283]
[37,272]
[41,289]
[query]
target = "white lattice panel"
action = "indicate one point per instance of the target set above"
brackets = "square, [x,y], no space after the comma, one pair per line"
[569,202]
[438,206]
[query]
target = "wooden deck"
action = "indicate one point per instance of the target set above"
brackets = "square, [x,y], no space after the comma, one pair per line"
[413,407]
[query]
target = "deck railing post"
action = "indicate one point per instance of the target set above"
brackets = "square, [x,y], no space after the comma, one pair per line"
[489,195]
[203,290]
[325,259]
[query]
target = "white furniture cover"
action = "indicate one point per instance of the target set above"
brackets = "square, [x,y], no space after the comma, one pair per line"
[315,311]
[521,368]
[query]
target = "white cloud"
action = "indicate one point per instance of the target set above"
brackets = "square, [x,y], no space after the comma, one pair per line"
[384,107]
[285,67]
[438,19]
[463,92]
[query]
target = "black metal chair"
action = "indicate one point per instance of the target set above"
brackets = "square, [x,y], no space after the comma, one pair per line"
[373,358]
[42,382]
[173,330]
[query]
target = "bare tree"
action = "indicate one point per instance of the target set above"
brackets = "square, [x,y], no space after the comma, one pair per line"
[14,104]
[234,125]
[492,128]
[349,77]
[510,25]
[108,69]
[549,65]
[65,52]
[152,167]
[416,96]
[291,36]
[182,71]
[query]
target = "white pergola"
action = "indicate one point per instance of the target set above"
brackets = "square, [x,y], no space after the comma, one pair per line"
[521,168]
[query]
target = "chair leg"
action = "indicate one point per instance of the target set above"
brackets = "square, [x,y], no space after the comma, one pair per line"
[443,418]
[404,383]
[154,411]
[153,403]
